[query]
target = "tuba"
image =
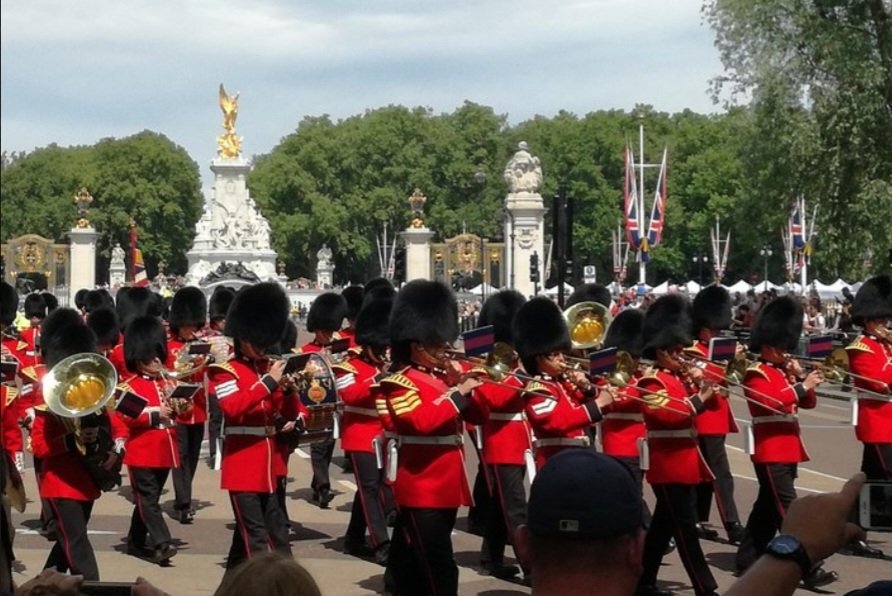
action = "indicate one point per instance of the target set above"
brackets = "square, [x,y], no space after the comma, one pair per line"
[587,323]
[76,390]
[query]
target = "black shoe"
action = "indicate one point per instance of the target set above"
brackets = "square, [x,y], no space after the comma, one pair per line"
[860,548]
[357,547]
[705,533]
[382,554]
[669,547]
[501,571]
[819,577]
[325,497]
[164,553]
[185,516]
[736,532]
[652,590]
[139,550]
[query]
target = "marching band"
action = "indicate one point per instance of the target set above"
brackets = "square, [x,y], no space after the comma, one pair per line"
[399,397]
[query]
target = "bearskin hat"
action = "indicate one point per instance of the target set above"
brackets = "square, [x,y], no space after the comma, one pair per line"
[779,325]
[666,323]
[258,315]
[79,297]
[104,323]
[711,309]
[873,300]
[219,302]
[9,303]
[378,287]
[188,307]
[424,311]
[134,302]
[56,320]
[96,299]
[539,328]
[373,322]
[52,303]
[353,296]
[589,293]
[624,332]
[288,341]
[68,341]
[35,306]
[144,340]
[499,310]
[327,312]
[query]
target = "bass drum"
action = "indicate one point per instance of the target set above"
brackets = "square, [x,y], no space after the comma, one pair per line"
[316,389]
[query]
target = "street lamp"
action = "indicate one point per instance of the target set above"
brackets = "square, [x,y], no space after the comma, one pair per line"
[700,259]
[765,253]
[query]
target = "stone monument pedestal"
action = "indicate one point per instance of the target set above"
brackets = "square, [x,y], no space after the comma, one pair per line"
[82,259]
[525,235]
[418,253]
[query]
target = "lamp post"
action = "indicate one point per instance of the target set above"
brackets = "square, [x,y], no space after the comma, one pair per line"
[700,259]
[765,253]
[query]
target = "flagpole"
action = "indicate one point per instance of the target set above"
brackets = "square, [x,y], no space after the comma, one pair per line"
[642,264]
[803,272]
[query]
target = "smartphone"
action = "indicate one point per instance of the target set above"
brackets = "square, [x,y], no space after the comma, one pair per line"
[91,588]
[875,506]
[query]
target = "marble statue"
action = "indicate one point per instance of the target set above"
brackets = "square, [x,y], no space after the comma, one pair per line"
[523,173]
[117,255]
[324,257]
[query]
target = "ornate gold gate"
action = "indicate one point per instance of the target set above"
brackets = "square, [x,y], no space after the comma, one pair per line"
[468,256]
[35,258]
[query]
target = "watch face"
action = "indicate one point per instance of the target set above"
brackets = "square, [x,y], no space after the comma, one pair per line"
[784,545]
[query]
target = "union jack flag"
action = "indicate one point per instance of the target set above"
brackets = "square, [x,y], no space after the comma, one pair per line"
[655,231]
[630,202]
[797,229]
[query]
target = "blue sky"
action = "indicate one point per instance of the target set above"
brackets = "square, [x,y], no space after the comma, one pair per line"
[77,72]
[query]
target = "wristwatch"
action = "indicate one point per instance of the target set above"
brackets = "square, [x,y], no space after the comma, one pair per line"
[788,548]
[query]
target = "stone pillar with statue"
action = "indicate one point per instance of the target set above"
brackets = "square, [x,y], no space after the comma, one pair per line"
[417,238]
[324,268]
[525,221]
[117,268]
[83,237]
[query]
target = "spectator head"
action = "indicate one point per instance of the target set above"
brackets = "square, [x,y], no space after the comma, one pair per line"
[271,574]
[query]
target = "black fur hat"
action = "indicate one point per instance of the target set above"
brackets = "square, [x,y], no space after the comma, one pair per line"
[712,309]
[873,300]
[68,340]
[779,325]
[378,287]
[667,323]
[589,293]
[56,320]
[288,341]
[133,302]
[96,299]
[499,310]
[104,323]
[188,307]
[9,303]
[52,303]
[424,311]
[624,332]
[79,297]
[539,328]
[327,312]
[353,296]
[373,322]
[35,306]
[144,340]
[219,302]
[258,315]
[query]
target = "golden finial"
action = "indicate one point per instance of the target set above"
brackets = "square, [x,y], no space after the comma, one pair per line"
[83,199]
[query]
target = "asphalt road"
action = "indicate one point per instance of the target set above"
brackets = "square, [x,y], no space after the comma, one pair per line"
[198,568]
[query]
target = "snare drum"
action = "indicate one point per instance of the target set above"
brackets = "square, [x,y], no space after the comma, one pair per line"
[316,390]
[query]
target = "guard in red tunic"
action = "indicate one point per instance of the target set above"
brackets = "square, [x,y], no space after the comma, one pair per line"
[870,358]
[674,464]
[324,320]
[218,305]
[12,349]
[776,389]
[35,312]
[362,433]
[130,303]
[427,406]
[561,404]
[505,439]
[353,297]
[712,314]
[104,323]
[152,446]
[187,318]
[247,387]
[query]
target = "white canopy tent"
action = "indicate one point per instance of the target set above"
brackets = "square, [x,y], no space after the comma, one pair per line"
[741,286]
[483,289]
[660,289]
[764,286]
[832,290]
[692,287]
[554,290]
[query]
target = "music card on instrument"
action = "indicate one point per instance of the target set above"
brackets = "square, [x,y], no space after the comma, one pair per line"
[479,341]
[131,404]
[338,346]
[294,363]
[9,368]
[602,362]
[185,391]
[199,348]
[722,349]
[819,346]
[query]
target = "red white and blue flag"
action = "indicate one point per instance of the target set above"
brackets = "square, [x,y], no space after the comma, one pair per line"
[630,203]
[655,231]
[479,341]
[138,266]
[797,228]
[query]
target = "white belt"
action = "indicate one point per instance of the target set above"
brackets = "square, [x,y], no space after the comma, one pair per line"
[625,416]
[553,442]
[775,418]
[873,396]
[506,416]
[361,411]
[689,433]
[254,431]
[450,440]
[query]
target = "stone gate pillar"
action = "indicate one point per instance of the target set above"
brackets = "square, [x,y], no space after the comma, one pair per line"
[525,224]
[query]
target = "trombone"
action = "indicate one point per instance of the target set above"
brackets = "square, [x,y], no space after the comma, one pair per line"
[496,366]
[835,366]
[735,370]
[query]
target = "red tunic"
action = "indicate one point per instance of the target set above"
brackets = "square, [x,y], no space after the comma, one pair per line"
[717,418]
[249,404]
[777,436]
[623,423]
[360,423]
[198,413]
[871,358]
[116,357]
[673,454]
[431,470]
[506,434]
[10,433]
[152,444]
[557,421]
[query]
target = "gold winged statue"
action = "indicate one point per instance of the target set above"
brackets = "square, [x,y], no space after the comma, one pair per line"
[229,145]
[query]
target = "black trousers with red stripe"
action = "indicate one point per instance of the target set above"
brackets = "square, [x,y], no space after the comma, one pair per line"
[189,437]
[371,504]
[876,461]
[147,525]
[72,550]
[674,517]
[713,449]
[421,557]
[776,491]
[259,526]
[507,510]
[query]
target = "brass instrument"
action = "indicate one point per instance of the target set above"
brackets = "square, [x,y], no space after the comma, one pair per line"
[186,363]
[587,323]
[496,366]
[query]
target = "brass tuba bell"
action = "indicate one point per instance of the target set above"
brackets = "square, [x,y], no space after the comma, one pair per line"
[79,385]
[587,323]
